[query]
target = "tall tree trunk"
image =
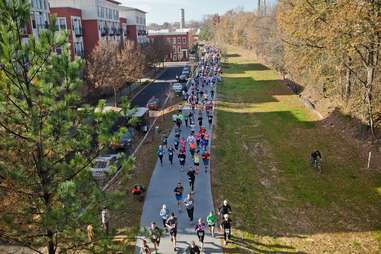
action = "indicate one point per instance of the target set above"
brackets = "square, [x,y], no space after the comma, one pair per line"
[115,96]
[348,85]
[368,95]
[51,247]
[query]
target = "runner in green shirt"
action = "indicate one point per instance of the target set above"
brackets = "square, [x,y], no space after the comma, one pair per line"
[211,219]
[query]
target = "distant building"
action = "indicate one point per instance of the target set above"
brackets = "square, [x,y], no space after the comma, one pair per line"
[179,42]
[136,24]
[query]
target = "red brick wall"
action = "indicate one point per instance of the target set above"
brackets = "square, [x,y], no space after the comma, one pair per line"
[90,35]
[67,12]
[132,33]
[174,50]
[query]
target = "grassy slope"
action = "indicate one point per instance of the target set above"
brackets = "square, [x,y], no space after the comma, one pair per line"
[263,139]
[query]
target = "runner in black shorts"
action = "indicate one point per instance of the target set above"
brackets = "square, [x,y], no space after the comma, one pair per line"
[226,227]
[172,228]
[170,154]
[200,230]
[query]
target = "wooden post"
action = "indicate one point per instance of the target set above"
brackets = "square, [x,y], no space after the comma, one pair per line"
[369,157]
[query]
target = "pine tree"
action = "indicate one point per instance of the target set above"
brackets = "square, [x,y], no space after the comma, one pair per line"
[48,196]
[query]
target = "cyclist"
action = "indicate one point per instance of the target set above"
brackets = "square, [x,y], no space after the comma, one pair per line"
[211,220]
[315,158]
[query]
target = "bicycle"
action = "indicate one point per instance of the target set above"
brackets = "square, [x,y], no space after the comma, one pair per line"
[316,163]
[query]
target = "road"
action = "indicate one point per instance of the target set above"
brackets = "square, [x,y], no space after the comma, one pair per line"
[160,87]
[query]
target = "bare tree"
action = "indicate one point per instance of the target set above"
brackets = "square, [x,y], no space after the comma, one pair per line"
[111,66]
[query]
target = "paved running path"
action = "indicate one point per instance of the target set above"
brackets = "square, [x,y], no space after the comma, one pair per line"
[160,191]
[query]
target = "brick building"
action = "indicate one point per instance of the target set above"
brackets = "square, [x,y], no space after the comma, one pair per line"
[98,19]
[179,42]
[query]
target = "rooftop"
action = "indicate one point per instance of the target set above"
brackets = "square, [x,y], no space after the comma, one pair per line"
[125,8]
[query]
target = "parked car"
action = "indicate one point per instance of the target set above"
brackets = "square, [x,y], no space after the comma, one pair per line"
[183,78]
[142,119]
[178,88]
[125,140]
[186,73]
[104,165]
[153,103]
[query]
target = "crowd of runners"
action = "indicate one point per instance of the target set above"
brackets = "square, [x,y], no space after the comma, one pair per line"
[194,148]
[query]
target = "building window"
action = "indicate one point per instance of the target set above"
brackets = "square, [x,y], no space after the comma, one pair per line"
[77,27]
[184,41]
[174,40]
[137,20]
[178,40]
[178,48]
[61,24]
[78,49]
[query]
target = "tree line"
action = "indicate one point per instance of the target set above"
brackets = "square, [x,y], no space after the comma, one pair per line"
[330,47]
[116,65]
[50,203]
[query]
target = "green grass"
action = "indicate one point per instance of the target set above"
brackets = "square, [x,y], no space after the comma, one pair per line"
[263,139]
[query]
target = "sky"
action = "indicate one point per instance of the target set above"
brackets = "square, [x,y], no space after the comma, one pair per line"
[160,11]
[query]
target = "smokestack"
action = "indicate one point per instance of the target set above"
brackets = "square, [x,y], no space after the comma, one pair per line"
[182,18]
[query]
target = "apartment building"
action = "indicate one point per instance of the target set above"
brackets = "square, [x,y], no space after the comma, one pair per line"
[99,20]
[136,24]
[69,19]
[179,42]
[39,18]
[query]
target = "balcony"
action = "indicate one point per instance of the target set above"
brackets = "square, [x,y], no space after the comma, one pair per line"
[104,32]
[118,31]
[78,31]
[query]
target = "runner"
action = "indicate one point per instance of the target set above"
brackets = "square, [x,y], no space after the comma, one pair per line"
[210,119]
[191,178]
[172,227]
[186,117]
[194,249]
[224,209]
[200,231]
[189,205]
[226,227]
[211,219]
[160,154]
[170,154]
[205,159]
[199,119]
[179,194]
[154,233]
[176,144]
[196,161]
[165,141]
[145,248]
[182,158]
[164,213]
